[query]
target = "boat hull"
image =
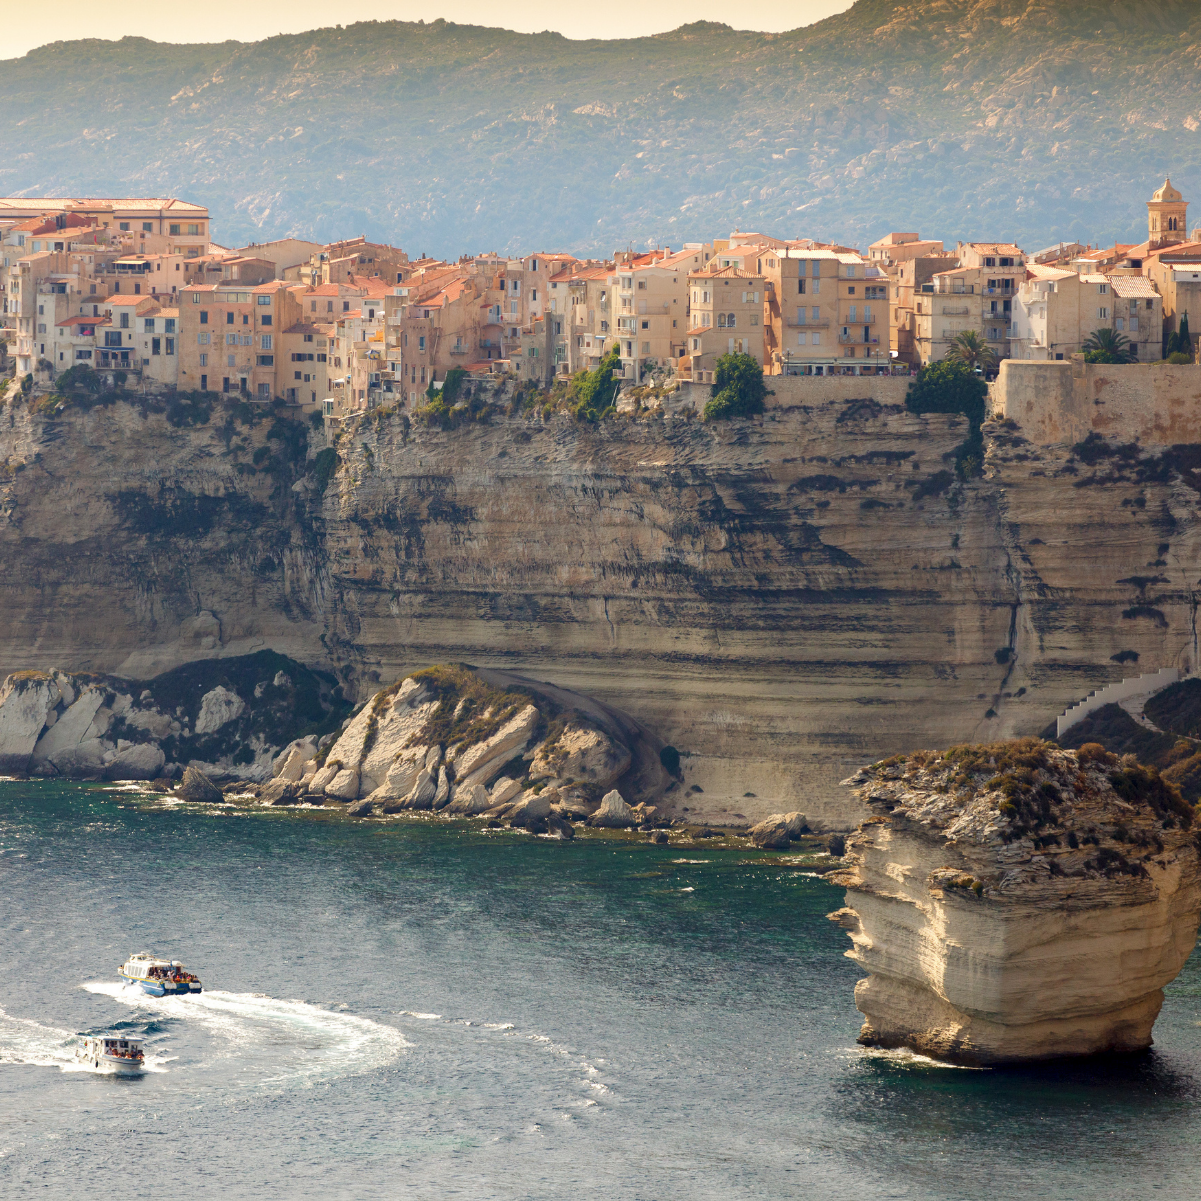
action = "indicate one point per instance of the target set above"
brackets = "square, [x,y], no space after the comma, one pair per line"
[159,988]
[123,1067]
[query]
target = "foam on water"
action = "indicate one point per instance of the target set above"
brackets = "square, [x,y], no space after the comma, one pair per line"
[315,1042]
[904,1057]
[23,1040]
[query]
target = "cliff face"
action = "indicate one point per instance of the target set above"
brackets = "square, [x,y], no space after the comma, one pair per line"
[1016,902]
[781,600]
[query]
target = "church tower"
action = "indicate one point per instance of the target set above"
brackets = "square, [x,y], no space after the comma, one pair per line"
[1166,217]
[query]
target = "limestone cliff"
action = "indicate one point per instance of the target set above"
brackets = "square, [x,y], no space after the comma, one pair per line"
[1017,901]
[779,599]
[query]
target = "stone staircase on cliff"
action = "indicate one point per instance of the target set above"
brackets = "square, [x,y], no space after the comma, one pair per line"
[1140,687]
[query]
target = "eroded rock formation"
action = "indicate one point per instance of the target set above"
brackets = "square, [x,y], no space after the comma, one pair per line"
[1018,901]
[778,599]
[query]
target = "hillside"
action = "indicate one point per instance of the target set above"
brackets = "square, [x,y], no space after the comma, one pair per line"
[1034,121]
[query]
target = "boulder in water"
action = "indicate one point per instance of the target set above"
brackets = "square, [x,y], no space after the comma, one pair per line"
[559,827]
[344,786]
[27,699]
[614,813]
[280,792]
[196,786]
[361,808]
[138,761]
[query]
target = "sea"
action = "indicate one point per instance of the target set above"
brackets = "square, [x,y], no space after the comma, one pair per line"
[419,1009]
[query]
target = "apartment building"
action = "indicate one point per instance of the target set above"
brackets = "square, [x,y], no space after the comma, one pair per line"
[227,338]
[726,317]
[284,254]
[155,225]
[978,296]
[907,281]
[649,301]
[827,312]
[1056,311]
[1175,273]
[896,248]
[580,299]
[305,352]
[351,259]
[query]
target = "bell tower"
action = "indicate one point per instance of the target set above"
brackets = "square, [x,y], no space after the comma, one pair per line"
[1167,216]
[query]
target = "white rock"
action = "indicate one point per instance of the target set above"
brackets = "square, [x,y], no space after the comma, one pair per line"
[402,774]
[100,723]
[613,813]
[533,806]
[505,790]
[469,798]
[282,680]
[66,687]
[58,745]
[291,762]
[396,718]
[325,776]
[203,629]
[442,795]
[423,791]
[25,703]
[583,753]
[154,723]
[433,759]
[344,786]
[477,764]
[218,707]
[136,761]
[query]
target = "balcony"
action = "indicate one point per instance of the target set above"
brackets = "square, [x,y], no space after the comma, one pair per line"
[458,349]
[857,340]
[948,311]
[793,323]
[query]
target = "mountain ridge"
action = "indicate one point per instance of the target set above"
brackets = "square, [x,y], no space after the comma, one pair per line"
[961,118]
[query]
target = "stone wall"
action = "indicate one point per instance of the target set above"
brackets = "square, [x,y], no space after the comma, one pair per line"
[1151,403]
[787,391]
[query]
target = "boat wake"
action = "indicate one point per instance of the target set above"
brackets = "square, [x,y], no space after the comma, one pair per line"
[25,1041]
[302,1041]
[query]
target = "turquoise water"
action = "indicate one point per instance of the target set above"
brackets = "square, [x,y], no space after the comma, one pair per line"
[428,1011]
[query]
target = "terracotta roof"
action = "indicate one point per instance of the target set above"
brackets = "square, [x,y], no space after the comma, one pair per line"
[1041,271]
[82,320]
[58,204]
[1133,286]
[997,247]
[714,272]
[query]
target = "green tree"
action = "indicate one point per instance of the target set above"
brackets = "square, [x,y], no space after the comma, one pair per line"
[592,394]
[970,349]
[738,388]
[1107,346]
[950,386]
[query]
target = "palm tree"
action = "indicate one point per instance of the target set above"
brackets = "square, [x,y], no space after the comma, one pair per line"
[972,351]
[1106,341]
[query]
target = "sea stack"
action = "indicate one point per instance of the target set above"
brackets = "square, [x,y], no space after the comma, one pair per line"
[1017,901]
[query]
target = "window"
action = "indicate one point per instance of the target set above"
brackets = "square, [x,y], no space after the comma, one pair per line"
[800,339]
[124,320]
[817,284]
[202,339]
[642,285]
[170,347]
[231,360]
[854,312]
[83,354]
[817,338]
[231,339]
[646,325]
[173,230]
[421,342]
[1134,325]
[533,295]
[1102,289]
[264,391]
[817,313]
[193,229]
[266,360]
[346,306]
[229,318]
[147,325]
[204,317]
[296,375]
[41,327]
[800,315]
[265,319]
[156,346]
[204,360]
[147,227]
[754,318]
[1103,313]
[263,300]
[124,227]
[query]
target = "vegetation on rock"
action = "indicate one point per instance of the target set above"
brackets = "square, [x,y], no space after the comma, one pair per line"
[738,388]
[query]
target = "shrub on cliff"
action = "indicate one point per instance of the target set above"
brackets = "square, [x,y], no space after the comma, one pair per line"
[592,395]
[738,388]
[951,387]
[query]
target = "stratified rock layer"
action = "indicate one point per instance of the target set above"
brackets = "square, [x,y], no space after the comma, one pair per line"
[1016,901]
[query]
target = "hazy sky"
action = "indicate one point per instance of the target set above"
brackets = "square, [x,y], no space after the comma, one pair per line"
[219,20]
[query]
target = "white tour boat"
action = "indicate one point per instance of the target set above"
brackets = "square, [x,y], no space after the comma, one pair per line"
[158,977]
[113,1051]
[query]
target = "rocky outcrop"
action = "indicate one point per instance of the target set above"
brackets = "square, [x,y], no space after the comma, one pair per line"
[92,726]
[27,699]
[776,599]
[1016,901]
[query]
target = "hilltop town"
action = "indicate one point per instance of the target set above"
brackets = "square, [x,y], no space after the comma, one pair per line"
[139,292]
